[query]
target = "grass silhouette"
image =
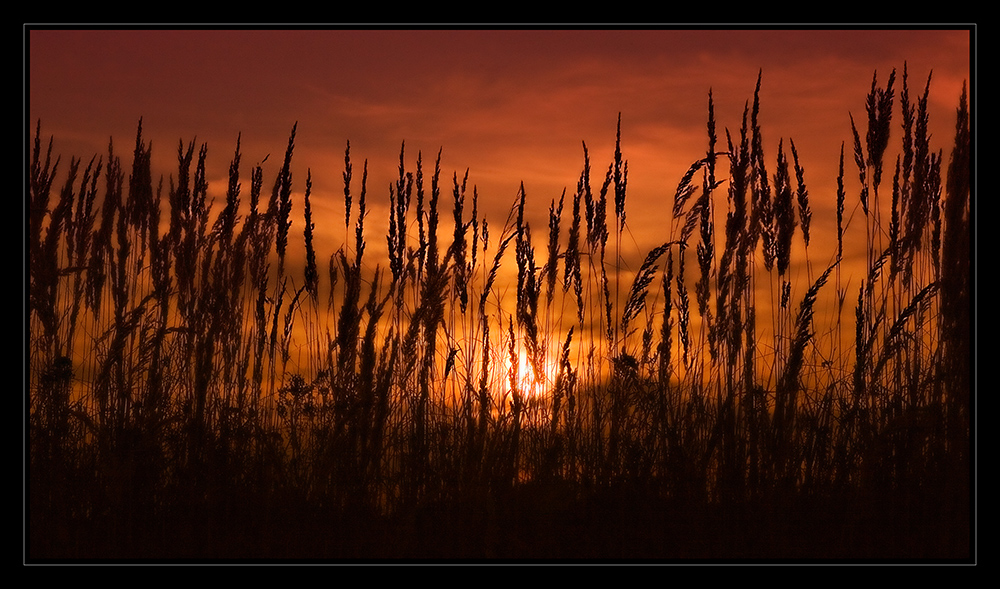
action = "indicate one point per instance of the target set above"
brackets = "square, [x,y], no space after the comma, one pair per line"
[195,392]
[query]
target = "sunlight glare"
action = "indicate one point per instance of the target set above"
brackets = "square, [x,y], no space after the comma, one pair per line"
[530,383]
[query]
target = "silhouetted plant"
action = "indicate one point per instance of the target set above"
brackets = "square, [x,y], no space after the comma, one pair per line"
[162,374]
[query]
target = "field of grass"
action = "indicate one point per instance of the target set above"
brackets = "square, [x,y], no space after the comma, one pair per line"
[197,390]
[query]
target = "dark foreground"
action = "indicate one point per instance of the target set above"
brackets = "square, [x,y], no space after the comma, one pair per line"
[541,524]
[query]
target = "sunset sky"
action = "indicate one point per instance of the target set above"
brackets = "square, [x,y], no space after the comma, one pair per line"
[510,106]
[200,394]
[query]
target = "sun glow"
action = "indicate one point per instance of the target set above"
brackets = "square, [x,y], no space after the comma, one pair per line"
[532,383]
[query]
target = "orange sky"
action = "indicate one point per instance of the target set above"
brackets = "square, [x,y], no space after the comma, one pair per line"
[509,105]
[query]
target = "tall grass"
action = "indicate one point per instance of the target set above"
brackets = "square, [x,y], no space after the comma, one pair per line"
[178,362]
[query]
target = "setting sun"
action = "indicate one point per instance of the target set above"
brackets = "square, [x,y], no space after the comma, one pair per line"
[532,383]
